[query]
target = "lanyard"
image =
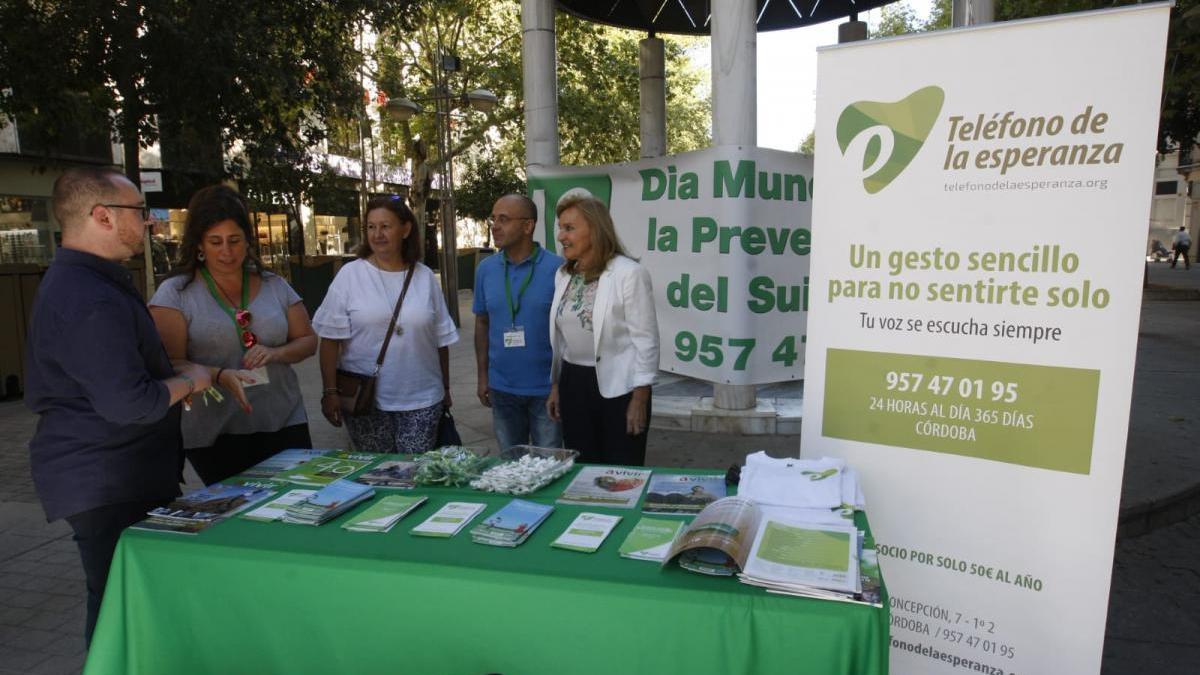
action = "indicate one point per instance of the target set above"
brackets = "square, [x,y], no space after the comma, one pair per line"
[514,307]
[224,304]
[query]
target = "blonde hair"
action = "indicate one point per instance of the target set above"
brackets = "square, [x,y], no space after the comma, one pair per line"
[605,242]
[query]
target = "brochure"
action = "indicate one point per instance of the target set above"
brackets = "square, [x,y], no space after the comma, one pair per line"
[512,524]
[277,507]
[682,493]
[719,537]
[651,539]
[210,503]
[790,555]
[448,520]
[157,524]
[284,460]
[587,532]
[382,515]
[328,468]
[327,503]
[613,486]
[389,474]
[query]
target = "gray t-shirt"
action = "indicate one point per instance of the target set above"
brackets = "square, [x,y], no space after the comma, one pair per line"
[213,340]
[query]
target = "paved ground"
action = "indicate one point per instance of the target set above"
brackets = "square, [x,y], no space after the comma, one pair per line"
[1154,611]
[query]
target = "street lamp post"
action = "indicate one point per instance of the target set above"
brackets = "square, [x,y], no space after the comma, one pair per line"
[445,103]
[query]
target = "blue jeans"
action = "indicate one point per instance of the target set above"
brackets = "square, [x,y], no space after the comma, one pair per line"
[520,420]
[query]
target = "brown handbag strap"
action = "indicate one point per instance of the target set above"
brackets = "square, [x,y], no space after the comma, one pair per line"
[395,315]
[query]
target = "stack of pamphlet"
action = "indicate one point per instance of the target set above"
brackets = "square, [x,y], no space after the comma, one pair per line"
[685,494]
[448,520]
[587,532]
[327,503]
[651,539]
[284,460]
[199,509]
[614,486]
[382,515]
[276,508]
[806,559]
[511,525]
[327,468]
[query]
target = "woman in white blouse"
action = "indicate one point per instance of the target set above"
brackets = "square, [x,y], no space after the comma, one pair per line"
[605,338]
[413,385]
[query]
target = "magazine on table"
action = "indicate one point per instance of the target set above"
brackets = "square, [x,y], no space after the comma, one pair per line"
[587,532]
[651,539]
[390,474]
[613,486]
[448,520]
[282,461]
[197,510]
[324,470]
[686,494]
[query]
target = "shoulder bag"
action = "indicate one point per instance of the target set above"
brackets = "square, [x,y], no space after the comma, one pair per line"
[357,391]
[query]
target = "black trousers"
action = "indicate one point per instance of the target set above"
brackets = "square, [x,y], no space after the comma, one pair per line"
[594,425]
[96,535]
[232,454]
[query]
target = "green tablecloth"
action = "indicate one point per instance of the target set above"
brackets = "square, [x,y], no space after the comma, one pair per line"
[249,597]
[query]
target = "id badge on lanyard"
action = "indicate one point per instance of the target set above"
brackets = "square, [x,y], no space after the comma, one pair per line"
[514,337]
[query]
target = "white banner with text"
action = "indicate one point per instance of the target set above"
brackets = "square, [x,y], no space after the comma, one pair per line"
[976,290]
[725,233]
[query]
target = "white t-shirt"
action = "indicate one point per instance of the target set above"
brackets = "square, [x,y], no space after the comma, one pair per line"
[357,310]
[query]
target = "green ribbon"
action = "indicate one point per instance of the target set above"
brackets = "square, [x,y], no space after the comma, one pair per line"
[515,306]
[224,304]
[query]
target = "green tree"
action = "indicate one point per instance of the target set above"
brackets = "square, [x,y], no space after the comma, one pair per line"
[900,18]
[1179,126]
[809,144]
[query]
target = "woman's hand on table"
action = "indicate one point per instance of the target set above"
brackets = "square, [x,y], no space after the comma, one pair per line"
[259,356]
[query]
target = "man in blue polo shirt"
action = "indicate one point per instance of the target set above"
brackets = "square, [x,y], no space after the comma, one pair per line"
[513,293]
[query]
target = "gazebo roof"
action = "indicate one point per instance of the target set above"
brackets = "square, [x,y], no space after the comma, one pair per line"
[691,17]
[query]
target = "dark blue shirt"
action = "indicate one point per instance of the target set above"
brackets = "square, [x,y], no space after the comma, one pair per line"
[524,371]
[107,433]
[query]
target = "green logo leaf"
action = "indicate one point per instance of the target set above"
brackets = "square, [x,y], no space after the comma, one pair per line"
[895,133]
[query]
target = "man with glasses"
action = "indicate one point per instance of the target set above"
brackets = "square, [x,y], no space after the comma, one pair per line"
[107,446]
[513,293]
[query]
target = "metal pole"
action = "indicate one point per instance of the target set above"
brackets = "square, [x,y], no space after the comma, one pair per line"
[449,241]
[540,83]
[653,97]
[735,119]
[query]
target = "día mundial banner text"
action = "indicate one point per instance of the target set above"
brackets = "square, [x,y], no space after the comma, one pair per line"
[725,233]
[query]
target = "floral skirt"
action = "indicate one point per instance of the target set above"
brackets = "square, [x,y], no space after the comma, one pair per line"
[407,431]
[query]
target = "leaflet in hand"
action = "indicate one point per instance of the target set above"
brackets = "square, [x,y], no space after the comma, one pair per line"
[328,503]
[587,532]
[682,493]
[651,539]
[512,524]
[613,486]
[382,515]
[448,520]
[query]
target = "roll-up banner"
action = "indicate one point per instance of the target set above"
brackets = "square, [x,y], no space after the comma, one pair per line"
[725,233]
[976,287]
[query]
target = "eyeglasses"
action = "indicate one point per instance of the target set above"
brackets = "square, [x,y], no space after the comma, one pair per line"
[138,207]
[504,219]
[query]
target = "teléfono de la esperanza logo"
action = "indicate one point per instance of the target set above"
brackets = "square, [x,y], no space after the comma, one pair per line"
[888,135]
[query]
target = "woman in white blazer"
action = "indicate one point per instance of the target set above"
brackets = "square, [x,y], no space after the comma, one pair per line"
[604,335]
